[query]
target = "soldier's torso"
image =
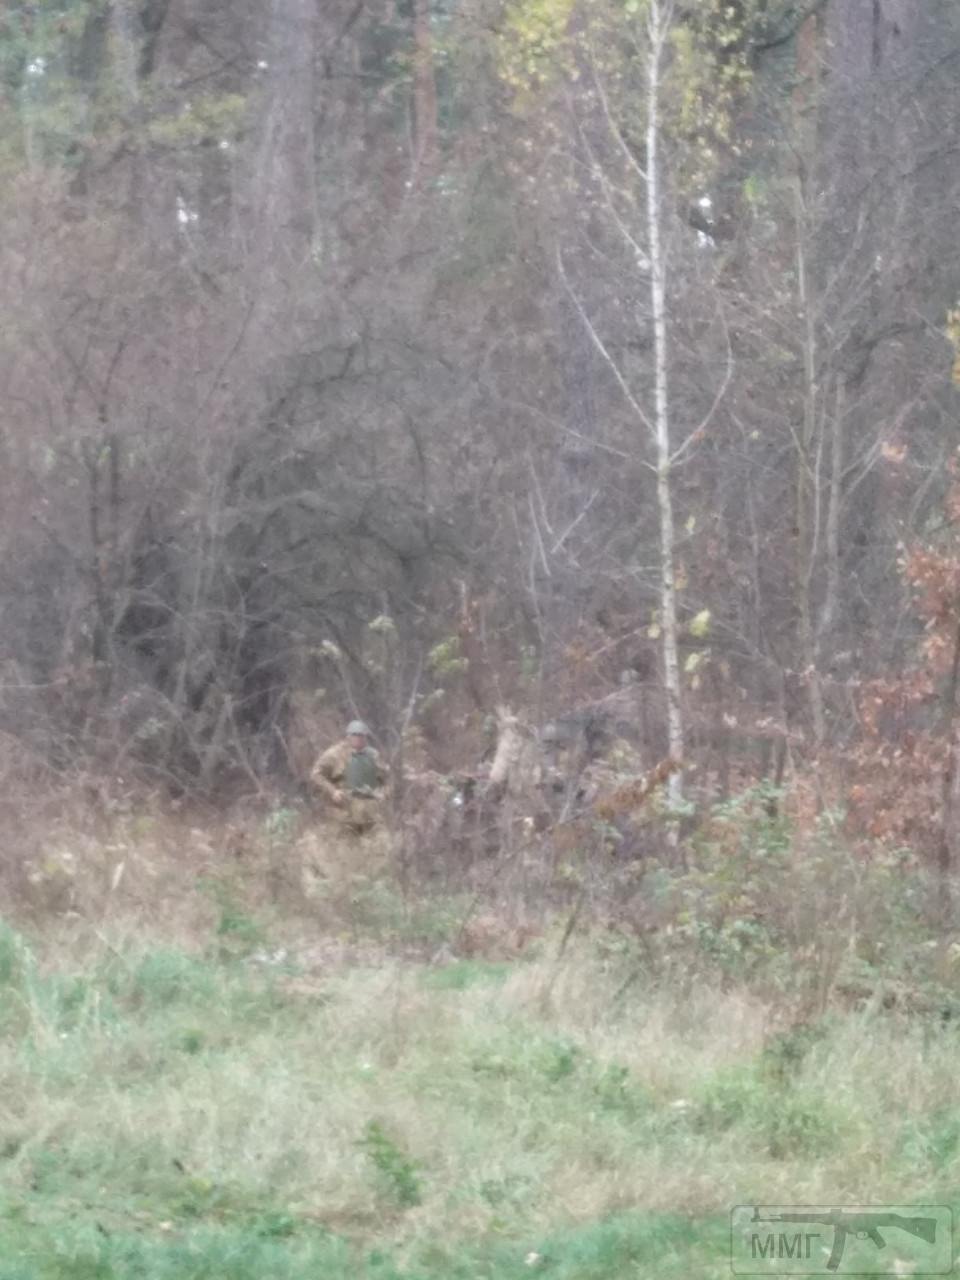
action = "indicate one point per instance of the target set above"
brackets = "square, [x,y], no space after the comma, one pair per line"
[361,770]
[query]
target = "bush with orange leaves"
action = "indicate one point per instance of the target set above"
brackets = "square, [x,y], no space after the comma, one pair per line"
[908,749]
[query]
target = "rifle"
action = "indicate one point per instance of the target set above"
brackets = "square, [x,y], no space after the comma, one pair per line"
[863,1225]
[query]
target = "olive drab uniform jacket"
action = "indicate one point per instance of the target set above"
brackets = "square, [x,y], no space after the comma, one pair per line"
[357,773]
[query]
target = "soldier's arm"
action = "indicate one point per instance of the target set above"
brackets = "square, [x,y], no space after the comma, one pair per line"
[384,771]
[327,774]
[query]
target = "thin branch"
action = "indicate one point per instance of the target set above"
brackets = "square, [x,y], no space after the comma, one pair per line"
[698,435]
[523,407]
[597,171]
[615,128]
[573,524]
[540,498]
[602,349]
[539,537]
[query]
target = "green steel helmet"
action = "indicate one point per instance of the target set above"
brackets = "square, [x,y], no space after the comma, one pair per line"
[357,727]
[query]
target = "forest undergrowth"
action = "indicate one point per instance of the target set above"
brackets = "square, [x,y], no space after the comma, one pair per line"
[226,1080]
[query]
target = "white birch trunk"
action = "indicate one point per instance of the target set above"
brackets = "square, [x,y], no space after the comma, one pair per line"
[658,295]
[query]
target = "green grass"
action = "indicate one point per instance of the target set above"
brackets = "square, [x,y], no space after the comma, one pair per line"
[165,1113]
[463,974]
[636,1245]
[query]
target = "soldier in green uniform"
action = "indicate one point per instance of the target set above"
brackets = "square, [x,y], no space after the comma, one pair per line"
[352,777]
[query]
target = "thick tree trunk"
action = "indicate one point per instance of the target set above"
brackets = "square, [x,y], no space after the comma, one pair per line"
[831,599]
[807,486]
[807,470]
[285,187]
[424,93]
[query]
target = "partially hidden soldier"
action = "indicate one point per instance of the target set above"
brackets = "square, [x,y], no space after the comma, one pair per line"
[353,778]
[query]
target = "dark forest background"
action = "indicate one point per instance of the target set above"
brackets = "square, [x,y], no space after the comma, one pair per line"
[326,355]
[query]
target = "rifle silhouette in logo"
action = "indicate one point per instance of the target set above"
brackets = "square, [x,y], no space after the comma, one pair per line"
[865,1226]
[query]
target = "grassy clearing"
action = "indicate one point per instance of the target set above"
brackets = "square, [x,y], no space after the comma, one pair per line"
[234,1112]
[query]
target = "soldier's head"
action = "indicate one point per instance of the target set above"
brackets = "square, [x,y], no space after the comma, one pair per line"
[556,741]
[358,734]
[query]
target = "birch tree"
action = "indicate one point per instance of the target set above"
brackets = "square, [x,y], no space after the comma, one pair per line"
[658,270]
[643,125]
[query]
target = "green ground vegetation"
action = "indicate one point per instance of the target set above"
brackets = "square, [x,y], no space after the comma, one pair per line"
[168,1114]
[778,1026]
